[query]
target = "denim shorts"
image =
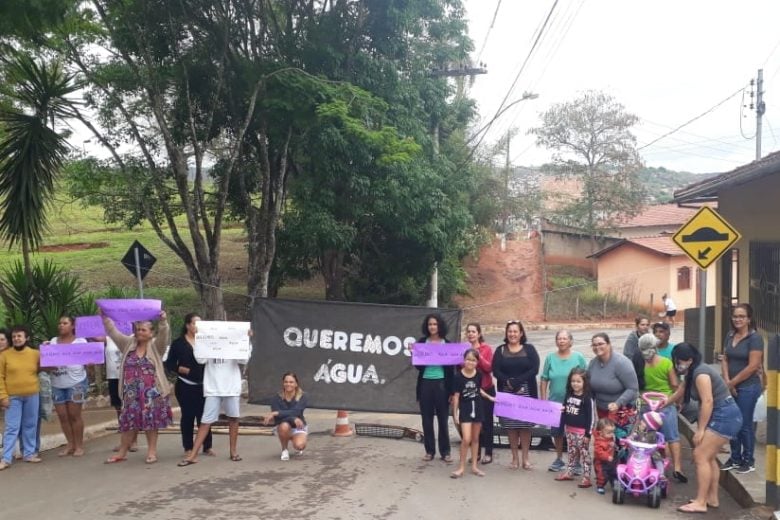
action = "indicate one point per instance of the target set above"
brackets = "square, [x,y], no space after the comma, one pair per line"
[670,429]
[75,394]
[726,419]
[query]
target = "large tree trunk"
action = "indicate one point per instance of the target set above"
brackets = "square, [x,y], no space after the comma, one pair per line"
[333,273]
[211,299]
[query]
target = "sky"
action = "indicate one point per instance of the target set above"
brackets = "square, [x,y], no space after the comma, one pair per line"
[666,61]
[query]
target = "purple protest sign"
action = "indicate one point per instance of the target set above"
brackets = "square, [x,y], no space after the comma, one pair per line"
[54,355]
[438,353]
[89,327]
[130,309]
[92,327]
[523,408]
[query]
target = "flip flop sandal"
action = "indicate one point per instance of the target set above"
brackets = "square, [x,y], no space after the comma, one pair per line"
[487,459]
[185,463]
[114,460]
[151,459]
[236,458]
[428,457]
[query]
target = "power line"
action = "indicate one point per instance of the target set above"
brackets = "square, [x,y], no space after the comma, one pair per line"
[487,35]
[676,129]
[501,108]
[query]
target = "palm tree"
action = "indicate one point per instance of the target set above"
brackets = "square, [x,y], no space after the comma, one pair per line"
[31,151]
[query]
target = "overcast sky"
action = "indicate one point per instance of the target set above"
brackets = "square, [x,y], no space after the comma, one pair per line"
[665,61]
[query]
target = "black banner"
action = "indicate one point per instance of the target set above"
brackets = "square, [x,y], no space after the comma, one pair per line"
[349,356]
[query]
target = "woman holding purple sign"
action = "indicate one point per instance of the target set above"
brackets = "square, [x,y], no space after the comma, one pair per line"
[515,365]
[145,388]
[434,388]
[69,388]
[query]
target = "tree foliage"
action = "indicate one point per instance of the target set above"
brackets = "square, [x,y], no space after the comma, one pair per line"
[591,141]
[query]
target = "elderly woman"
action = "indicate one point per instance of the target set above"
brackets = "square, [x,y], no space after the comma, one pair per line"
[557,366]
[69,390]
[515,365]
[743,357]
[19,397]
[286,414]
[613,382]
[719,420]
[656,374]
[145,389]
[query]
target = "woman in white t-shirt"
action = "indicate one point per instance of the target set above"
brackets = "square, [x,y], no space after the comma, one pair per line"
[69,390]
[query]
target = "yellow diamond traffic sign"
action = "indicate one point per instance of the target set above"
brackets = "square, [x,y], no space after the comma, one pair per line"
[705,237]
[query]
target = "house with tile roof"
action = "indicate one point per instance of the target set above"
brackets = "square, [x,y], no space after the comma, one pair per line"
[640,270]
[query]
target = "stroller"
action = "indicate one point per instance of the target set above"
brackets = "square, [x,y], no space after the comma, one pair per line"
[643,471]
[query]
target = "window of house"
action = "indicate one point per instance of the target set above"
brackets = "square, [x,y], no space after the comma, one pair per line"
[683,278]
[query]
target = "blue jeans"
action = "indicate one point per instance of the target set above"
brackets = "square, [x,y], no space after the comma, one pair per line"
[742,447]
[21,421]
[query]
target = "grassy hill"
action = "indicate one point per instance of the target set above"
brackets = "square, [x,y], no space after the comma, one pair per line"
[661,183]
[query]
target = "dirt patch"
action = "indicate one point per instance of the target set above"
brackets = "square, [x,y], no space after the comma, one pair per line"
[79,246]
[505,285]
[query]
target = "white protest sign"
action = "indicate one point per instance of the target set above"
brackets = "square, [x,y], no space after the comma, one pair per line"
[223,340]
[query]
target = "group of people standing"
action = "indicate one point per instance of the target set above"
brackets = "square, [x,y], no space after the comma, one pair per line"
[599,398]
[136,367]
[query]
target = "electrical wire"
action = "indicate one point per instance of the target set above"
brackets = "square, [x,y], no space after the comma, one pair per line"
[482,132]
[680,127]
[487,35]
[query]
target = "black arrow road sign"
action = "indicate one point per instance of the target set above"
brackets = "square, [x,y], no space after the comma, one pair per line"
[145,258]
[703,253]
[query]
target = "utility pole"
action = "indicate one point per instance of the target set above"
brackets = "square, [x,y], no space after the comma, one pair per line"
[507,168]
[760,109]
[446,72]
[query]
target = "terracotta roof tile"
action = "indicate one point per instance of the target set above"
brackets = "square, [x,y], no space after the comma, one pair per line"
[659,215]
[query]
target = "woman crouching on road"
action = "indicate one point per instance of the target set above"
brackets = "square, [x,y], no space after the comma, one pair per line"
[286,414]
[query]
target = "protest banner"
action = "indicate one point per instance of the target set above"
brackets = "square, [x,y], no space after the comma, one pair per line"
[348,356]
[528,409]
[92,327]
[438,353]
[130,309]
[223,340]
[57,355]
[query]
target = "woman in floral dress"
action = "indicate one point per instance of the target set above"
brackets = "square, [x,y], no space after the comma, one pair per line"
[142,381]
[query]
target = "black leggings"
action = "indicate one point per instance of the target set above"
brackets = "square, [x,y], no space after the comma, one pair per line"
[191,400]
[434,401]
[486,434]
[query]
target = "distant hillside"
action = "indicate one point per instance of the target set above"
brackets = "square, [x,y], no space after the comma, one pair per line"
[661,183]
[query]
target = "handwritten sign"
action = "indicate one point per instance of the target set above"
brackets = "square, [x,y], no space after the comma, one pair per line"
[92,327]
[223,340]
[438,353]
[528,409]
[54,355]
[130,309]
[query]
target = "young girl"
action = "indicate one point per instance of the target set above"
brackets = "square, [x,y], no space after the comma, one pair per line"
[467,410]
[604,453]
[577,422]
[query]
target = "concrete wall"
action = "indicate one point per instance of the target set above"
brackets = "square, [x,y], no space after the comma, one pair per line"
[564,248]
[635,271]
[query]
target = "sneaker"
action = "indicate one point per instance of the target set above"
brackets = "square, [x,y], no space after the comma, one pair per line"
[729,465]
[600,490]
[285,455]
[746,468]
[557,465]
[578,469]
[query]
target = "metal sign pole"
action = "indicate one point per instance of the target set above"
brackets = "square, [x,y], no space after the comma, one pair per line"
[702,308]
[138,272]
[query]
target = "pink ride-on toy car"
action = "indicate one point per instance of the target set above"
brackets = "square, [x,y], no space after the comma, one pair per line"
[643,472]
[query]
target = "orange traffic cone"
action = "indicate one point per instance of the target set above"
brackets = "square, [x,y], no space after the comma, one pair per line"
[342,424]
